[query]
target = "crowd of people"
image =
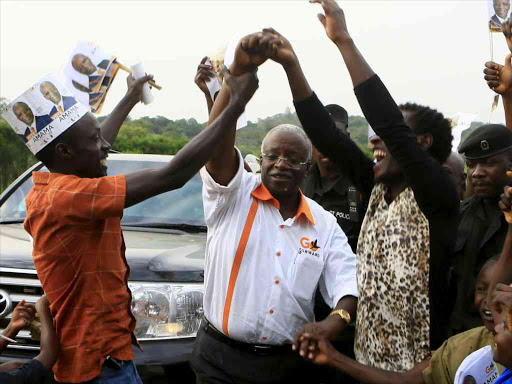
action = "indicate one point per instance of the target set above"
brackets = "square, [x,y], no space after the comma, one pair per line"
[325,266]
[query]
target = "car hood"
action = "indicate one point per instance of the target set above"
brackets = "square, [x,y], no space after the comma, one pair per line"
[153,254]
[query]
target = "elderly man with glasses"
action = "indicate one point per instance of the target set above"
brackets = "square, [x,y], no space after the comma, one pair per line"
[268,249]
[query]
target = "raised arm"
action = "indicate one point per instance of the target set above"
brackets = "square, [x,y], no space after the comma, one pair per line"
[187,162]
[204,73]
[314,118]
[223,164]
[111,125]
[423,173]
[499,77]
[49,341]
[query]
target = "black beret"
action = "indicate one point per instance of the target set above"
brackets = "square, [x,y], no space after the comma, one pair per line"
[337,113]
[487,140]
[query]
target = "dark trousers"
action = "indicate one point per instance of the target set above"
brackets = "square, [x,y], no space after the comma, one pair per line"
[216,362]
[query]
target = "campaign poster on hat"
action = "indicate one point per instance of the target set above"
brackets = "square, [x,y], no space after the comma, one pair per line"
[43,112]
[499,11]
[89,73]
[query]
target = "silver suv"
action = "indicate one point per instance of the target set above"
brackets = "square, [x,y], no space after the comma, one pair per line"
[165,238]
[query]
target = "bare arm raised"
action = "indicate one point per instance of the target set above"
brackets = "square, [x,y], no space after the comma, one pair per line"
[203,75]
[111,125]
[223,164]
[499,77]
[187,162]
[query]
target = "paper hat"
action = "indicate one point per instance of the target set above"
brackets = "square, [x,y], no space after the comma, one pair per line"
[43,112]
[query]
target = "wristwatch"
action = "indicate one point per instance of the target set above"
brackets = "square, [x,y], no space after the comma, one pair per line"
[341,313]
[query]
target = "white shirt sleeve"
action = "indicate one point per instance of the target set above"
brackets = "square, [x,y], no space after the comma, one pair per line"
[215,196]
[339,276]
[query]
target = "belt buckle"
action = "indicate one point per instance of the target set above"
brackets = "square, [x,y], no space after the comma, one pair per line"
[262,348]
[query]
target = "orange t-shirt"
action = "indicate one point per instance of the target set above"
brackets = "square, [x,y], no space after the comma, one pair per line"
[79,254]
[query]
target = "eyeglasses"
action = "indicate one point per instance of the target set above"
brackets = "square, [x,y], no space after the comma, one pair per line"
[289,161]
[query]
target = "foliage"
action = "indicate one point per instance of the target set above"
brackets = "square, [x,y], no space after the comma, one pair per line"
[159,135]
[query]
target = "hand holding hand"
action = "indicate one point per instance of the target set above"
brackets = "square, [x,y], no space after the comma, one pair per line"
[326,329]
[333,21]
[499,77]
[323,352]
[249,55]
[22,316]
[135,87]
[242,87]
[203,75]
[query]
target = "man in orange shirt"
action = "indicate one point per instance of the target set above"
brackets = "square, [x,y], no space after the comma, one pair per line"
[74,214]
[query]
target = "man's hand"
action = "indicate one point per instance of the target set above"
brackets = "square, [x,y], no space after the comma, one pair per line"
[252,51]
[325,329]
[501,302]
[324,351]
[333,21]
[499,77]
[134,92]
[22,316]
[42,304]
[203,75]
[506,28]
[269,44]
[242,87]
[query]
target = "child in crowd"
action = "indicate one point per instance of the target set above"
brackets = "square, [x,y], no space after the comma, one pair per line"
[33,371]
[442,366]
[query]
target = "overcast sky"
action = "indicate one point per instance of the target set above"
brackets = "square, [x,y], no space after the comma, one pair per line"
[430,52]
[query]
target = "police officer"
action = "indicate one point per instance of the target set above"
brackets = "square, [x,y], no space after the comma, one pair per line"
[326,185]
[482,227]
[333,191]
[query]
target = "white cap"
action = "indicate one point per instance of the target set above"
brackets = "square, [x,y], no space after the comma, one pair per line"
[43,112]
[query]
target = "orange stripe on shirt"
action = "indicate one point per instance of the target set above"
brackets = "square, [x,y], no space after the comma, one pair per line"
[237,262]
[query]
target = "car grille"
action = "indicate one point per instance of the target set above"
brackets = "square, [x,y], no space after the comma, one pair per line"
[20,284]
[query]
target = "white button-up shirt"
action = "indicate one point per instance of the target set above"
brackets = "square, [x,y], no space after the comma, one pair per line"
[283,263]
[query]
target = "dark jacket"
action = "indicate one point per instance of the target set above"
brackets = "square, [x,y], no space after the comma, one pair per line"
[433,188]
[481,235]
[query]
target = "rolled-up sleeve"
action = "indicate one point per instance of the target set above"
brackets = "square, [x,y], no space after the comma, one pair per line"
[215,196]
[339,276]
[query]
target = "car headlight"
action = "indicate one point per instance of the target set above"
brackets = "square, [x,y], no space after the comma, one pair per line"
[165,310]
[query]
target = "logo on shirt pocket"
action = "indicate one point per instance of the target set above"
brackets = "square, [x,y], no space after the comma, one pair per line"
[309,247]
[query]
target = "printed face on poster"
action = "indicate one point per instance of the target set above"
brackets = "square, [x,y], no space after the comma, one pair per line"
[499,11]
[89,74]
[43,112]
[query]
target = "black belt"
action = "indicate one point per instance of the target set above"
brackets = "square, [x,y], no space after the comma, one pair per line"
[259,349]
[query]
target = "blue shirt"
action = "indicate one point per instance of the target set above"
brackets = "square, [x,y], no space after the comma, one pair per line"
[505,378]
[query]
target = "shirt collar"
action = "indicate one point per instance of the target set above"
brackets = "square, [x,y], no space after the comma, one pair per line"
[262,193]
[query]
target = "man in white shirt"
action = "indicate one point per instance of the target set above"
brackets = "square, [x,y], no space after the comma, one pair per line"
[268,249]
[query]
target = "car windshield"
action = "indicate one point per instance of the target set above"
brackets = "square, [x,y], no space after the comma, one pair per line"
[181,208]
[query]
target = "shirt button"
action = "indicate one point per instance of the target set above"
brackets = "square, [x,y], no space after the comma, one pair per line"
[278,253]
[277,281]
[271,311]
